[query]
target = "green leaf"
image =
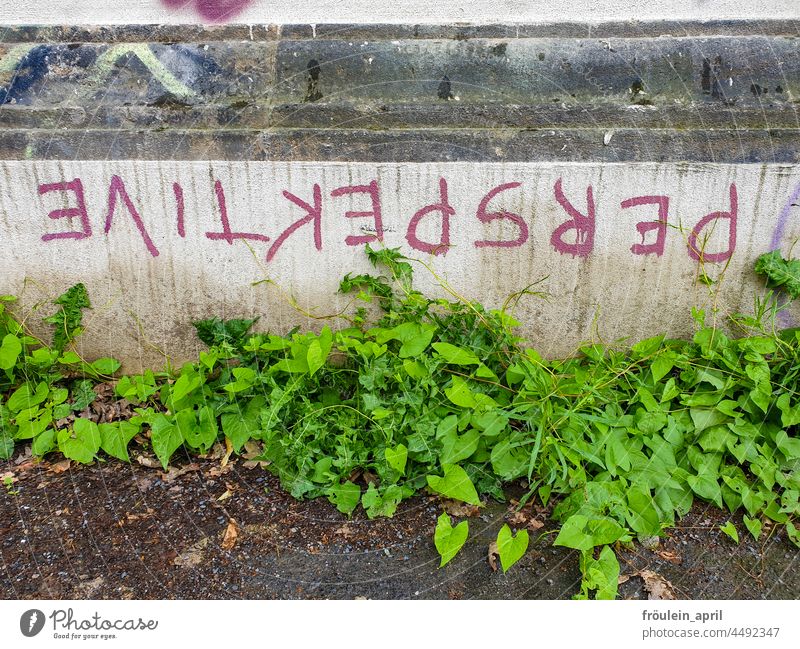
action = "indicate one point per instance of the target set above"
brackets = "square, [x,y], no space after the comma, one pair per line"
[67,320]
[396,457]
[790,416]
[82,395]
[383,502]
[106,366]
[780,273]
[662,365]
[460,394]
[583,533]
[454,484]
[448,539]
[80,443]
[511,548]
[165,437]
[642,515]
[314,357]
[730,529]
[115,437]
[6,446]
[600,575]
[753,526]
[9,351]
[456,448]
[186,384]
[345,496]
[44,442]
[214,331]
[456,355]
[27,396]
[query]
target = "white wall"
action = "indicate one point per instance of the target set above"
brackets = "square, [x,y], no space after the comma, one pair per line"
[408,11]
[145,297]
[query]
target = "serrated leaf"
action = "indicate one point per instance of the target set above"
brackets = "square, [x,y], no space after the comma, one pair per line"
[780,272]
[345,496]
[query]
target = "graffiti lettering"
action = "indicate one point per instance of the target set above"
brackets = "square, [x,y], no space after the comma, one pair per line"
[447,211]
[75,186]
[643,227]
[582,224]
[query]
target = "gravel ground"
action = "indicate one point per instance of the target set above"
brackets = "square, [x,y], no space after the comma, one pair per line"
[203,531]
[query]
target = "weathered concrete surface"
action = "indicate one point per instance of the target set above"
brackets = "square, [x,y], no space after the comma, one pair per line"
[696,112]
[149,280]
[697,92]
[326,11]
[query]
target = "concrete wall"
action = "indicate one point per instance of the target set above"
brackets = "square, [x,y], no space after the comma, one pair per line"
[91,12]
[166,258]
[124,149]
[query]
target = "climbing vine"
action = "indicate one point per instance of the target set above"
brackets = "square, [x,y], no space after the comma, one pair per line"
[443,396]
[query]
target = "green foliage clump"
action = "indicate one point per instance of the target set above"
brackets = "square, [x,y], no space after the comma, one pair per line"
[442,395]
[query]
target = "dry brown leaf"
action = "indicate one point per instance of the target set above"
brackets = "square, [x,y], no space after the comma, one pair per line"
[523,518]
[59,467]
[494,553]
[228,453]
[149,462]
[228,493]
[252,449]
[459,509]
[672,557]
[231,535]
[346,531]
[175,472]
[8,478]
[657,587]
[191,556]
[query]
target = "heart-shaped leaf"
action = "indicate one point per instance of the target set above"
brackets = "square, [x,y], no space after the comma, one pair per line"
[396,457]
[454,484]
[82,442]
[510,547]
[115,438]
[448,539]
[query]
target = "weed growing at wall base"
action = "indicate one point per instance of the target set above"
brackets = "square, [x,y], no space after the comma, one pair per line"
[443,396]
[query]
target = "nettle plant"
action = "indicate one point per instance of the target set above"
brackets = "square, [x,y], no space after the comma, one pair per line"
[443,396]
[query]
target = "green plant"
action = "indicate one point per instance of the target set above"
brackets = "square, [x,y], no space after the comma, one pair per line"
[442,395]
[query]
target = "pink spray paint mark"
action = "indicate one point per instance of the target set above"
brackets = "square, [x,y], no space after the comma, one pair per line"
[643,227]
[696,252]
[75,186]
[117,188]
[179,204]
[227,234]
[213,10]
[375,214]
[446,210]
[488,217]
[582,224]
[314,214]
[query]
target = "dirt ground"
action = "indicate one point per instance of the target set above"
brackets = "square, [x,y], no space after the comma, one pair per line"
[203,531]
